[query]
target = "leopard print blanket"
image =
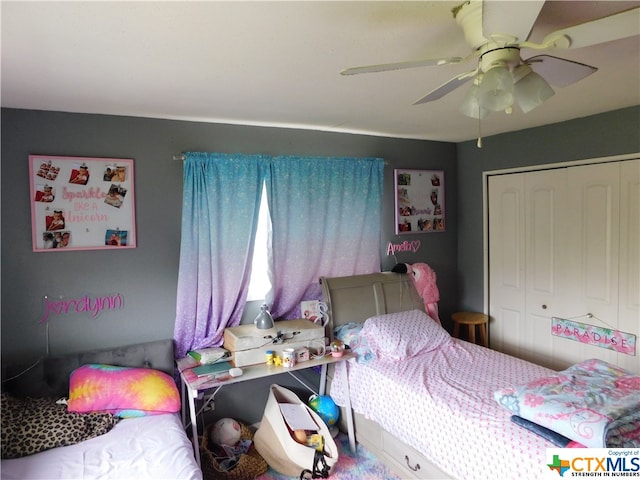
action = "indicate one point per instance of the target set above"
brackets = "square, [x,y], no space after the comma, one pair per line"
[31,425]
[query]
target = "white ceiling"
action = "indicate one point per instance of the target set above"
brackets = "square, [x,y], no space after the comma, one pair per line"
[278,64]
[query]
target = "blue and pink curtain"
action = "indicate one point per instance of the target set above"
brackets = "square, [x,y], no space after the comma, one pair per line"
[221,198]
[325,215]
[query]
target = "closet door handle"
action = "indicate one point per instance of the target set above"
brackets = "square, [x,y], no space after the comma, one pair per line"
[544,307]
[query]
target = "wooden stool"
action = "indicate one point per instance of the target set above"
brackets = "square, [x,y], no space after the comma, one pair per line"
[471,320]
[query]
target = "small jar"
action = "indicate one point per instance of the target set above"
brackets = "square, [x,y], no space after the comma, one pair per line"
[270,354]
[337,348]
[288,357]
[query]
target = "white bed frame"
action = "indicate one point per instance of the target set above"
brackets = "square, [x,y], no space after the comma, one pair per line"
[354,299]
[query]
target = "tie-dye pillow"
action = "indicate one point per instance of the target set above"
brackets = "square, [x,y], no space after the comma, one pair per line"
[122,391]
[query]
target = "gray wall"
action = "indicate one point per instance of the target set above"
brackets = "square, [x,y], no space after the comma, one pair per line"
[147,275]
[607,134]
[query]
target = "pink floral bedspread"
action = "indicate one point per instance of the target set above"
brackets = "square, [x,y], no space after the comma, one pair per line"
[441,403]
[593,402]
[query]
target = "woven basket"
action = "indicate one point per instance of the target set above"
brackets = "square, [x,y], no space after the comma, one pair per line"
[248,467]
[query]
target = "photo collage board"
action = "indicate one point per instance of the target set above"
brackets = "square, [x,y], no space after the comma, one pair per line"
[419,201]
[81,203]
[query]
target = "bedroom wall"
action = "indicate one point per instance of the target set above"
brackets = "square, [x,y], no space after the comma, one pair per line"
[147,275]
[603,135]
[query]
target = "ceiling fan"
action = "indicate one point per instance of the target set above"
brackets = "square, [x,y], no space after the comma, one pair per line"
[496,32]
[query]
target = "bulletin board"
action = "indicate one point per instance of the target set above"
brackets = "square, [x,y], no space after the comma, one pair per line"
[419,201]
[81,203]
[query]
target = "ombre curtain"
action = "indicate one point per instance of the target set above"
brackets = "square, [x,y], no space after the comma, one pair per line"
[221,199]
[325,215]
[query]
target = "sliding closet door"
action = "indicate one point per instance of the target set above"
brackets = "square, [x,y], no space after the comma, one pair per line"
[527,218]
[547,275]
[629,273]
[506,264]
[594,202]
[564,243]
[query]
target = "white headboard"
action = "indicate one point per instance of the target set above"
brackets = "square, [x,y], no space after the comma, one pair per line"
[358,297]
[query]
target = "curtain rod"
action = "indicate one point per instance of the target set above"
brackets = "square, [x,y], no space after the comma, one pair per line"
[183,157]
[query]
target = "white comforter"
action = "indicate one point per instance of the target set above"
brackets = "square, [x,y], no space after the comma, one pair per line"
[153,447]
[441,403]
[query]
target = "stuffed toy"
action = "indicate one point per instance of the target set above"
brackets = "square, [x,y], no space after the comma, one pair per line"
[424,280]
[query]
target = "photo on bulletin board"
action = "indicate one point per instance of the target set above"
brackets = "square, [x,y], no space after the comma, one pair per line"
[419,201]
[81,203]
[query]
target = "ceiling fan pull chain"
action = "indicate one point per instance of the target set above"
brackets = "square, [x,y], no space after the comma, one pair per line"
[479,143]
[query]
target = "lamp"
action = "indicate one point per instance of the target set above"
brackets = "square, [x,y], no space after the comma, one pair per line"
[496,89]
[471,104]
[531,90]
[264,320]
[502,80]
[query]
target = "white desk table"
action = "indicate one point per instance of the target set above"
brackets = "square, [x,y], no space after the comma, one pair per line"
[191,389]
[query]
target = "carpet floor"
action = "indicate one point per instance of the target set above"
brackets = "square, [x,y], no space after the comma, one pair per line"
[362,465]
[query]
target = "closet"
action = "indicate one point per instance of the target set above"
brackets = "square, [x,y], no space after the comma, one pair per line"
[564,242]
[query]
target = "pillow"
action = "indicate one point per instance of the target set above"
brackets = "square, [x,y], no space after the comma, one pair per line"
[396,336]
[123,391]
[349,333]
[32,425]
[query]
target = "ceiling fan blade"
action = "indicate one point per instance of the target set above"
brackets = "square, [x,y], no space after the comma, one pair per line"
[446,87]
[605,29]
[509,18]
[385,67]
[559,72]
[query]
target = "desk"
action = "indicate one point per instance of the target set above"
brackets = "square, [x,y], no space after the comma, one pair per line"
[191,389]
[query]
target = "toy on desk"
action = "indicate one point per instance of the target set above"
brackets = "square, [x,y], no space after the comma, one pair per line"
[273,359]
[270,354]
[424,280]
[337,348]
[302,355]
[288,357]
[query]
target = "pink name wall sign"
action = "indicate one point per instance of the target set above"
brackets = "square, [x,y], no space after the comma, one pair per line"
[84,304]
[405,246]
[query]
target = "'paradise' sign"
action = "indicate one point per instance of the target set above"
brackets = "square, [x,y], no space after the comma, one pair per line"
[592,335]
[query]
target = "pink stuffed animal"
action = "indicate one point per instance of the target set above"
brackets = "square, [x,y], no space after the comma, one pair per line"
[424,280]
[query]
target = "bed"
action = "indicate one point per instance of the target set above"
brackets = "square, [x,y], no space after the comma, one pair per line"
[152,446]
[448,424]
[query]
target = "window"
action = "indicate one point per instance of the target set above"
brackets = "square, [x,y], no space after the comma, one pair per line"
[260,284]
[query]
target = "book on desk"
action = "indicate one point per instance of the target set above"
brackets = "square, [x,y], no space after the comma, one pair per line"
[197,375]
[211,369]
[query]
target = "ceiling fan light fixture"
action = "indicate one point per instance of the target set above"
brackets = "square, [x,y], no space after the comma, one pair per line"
[471,103]
[531,90]
[496,89]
